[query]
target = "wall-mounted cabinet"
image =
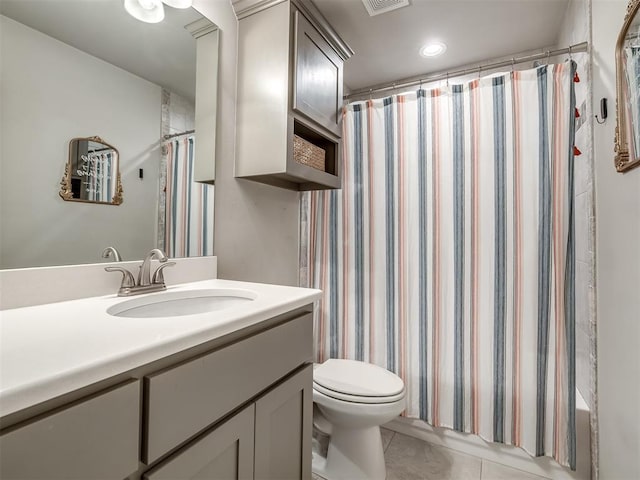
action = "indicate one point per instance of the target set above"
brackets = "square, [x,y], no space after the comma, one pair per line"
[289,83]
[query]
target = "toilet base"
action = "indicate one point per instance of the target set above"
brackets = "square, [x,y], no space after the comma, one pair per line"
[354,453]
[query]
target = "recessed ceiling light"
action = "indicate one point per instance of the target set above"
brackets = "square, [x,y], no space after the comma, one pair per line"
[150,11]
[433,49]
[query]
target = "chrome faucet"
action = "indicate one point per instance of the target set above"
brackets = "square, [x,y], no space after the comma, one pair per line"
[145,282]
[112,252]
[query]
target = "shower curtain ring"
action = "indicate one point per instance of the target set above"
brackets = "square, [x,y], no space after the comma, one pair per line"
[570,53]
[370,93]
[548,56]
[447,79]
[513,64]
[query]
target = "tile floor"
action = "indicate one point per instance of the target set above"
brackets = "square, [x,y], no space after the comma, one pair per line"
[409,458]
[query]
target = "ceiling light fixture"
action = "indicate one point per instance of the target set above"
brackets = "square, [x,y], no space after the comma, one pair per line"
[433,49]
[178,3]
[149,11]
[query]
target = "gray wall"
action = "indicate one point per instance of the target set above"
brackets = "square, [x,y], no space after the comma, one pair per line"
[618,268]
[256,226]
[51,93]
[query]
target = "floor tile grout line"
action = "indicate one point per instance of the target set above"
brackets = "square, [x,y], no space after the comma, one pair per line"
[390,440]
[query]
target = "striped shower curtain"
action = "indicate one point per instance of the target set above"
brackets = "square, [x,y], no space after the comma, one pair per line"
[448,258]
[189,204]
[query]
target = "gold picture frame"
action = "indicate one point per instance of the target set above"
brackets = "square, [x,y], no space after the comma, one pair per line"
[92,177]
[624,161]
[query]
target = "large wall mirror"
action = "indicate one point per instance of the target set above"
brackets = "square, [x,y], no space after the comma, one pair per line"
[627,142]
[77,69]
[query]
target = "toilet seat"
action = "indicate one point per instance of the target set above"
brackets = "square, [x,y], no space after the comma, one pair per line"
[345,397]
[357,382]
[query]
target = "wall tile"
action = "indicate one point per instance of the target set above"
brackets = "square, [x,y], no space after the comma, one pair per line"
[583,228]
[583,329]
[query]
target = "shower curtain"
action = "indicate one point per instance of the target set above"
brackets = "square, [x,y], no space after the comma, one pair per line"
[448,257]
[189,204]
[99,181]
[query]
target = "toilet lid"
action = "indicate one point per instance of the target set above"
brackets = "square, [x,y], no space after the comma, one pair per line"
[358,379]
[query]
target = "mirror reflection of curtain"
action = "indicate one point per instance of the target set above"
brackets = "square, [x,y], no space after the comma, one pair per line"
[99,181]
[189,204]
[632,62]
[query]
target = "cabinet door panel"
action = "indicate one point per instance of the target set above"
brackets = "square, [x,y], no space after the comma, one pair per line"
[95,439]
[317,91]
[226,453]
[283,429]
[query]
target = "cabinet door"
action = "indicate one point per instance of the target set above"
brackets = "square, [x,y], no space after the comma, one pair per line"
[226,453]
[97,438]
[283,429]
[317,82]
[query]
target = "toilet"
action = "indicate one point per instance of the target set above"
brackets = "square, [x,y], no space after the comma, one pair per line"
[351,400]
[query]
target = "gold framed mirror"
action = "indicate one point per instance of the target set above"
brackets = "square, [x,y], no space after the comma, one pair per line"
[627,141]
[92,173]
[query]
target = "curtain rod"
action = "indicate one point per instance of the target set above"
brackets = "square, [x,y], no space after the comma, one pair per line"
[167,137]
[445,74]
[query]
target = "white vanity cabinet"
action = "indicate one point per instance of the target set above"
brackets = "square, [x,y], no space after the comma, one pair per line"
[236,407]
[290,83]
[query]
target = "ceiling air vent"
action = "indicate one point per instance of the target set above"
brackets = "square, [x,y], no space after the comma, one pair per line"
[376,7]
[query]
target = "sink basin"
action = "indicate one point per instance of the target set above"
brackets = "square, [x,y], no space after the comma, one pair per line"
[178,304]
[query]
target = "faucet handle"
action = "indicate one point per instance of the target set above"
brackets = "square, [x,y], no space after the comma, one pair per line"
[158,276]
[127,277]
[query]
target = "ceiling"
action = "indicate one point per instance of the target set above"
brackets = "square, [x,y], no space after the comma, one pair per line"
[386,46]
[163,53]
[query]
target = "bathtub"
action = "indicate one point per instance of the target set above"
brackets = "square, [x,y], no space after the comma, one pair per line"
[505,454]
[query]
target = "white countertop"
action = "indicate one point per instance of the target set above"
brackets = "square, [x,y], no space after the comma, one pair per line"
[49,350]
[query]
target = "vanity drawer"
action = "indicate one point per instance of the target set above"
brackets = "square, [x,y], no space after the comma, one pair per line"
[186,399]
[95,439]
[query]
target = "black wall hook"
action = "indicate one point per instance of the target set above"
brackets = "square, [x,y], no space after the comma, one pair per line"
[603,111]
